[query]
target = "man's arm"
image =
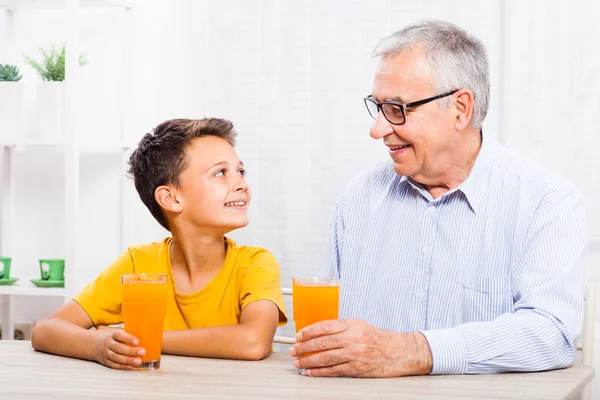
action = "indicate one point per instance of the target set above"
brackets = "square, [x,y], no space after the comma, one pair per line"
[251,339]
[355,348]
[539,335]
[548,280]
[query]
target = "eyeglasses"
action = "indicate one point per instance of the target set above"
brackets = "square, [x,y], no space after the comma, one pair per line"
[395,113]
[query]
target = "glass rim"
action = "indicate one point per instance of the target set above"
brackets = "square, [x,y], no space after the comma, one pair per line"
[316,281]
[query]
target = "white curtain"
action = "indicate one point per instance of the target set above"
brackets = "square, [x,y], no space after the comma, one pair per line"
[291,75]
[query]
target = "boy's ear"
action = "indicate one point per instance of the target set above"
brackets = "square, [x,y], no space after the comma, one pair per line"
[166,197]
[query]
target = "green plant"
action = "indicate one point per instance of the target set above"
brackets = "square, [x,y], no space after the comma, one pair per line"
[52,66]
[9,73]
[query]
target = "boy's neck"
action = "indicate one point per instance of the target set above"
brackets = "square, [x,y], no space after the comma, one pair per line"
[197,259]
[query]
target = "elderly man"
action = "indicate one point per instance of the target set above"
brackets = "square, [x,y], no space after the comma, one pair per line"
[457,255]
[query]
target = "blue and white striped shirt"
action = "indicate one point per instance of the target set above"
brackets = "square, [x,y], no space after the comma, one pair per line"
[492,272]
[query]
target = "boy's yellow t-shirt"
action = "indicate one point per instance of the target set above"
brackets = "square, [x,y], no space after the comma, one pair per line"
[248,274]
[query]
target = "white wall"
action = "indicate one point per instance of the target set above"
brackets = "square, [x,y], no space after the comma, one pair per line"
[291,75]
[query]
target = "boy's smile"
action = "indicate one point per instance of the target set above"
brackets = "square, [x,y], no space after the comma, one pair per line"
[239,204]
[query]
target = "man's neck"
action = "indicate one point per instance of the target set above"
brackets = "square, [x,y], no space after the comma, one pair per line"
[457,168]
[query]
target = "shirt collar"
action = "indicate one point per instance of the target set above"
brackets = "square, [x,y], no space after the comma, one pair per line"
[405,183]
[402,184]
[473,187]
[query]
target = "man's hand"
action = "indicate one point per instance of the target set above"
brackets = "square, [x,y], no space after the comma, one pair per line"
[115,348]
[355,348]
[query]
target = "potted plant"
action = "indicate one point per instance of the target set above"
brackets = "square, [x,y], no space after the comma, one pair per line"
[50,92]
[11,100]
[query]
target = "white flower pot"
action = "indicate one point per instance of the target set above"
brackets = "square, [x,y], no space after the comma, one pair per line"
[50,110]
[11,109]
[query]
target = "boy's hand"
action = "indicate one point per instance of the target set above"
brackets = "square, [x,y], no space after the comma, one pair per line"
[117,349]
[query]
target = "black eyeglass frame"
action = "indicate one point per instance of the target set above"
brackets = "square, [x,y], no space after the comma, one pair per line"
[403,107]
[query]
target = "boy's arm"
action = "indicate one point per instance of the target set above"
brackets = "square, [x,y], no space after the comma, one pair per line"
[66,332]
[251,339]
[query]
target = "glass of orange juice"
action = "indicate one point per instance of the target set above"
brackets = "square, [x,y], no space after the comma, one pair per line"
[144,306]
[314,300]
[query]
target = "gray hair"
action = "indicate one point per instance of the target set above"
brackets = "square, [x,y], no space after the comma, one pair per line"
[458,60]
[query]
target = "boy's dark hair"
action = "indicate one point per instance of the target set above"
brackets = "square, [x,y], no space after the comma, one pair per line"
[160,156]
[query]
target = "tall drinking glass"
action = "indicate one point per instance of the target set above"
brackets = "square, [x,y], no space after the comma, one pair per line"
[315,300]
[144,306]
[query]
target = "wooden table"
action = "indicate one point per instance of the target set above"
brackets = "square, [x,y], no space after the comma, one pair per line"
[27,374]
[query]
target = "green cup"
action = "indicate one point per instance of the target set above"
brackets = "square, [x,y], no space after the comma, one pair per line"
[52,269]
[5,267]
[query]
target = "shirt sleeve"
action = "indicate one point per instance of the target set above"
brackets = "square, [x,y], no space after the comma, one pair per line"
[101,299]
[329,266]
[262,281]
[548,289]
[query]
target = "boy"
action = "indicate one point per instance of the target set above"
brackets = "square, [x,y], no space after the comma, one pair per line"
[224,301]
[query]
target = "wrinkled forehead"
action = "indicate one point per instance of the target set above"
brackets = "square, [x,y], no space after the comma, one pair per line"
[407,75]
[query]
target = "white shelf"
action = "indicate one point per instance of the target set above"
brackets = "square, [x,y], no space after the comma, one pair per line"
[25,288]
[102,147]
[16,5]
[73,144]
[88,147]
[32,143]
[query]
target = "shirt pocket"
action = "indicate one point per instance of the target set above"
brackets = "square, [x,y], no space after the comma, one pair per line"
[485,297]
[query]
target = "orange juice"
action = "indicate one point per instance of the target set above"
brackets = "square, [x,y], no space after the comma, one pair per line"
[314,300]
[144,307]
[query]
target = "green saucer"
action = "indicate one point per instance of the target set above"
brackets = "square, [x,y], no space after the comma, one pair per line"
[8,282]
[43,283]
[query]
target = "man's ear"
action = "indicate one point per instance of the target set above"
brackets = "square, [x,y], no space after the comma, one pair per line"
[464,107]
[167,198]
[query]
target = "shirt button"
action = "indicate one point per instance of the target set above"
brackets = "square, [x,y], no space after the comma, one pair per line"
[425,251]
[421,294]
[432,210]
